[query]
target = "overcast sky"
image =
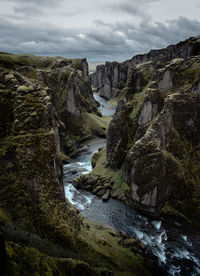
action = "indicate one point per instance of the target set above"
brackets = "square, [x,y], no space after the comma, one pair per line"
[95,29]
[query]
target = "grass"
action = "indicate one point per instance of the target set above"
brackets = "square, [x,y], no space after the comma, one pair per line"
[136,102]
[114,101]
[115,257]
[96,125]
[168,210]
[10,61]
[100,251]
[4,215]
[103,171]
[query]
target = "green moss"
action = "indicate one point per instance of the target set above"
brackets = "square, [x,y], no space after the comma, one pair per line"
[77,64]
[25,88]
[5,90]
[114,101]
[47,98]
[102,253]
[136,103]
[4,215]
[168,210]
[116,176]
[94,125]
[102,240]
[184,76]
[43,93]
[64,157]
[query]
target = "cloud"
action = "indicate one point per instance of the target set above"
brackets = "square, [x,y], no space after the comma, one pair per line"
[81,36]
[131,8]
[147,36]
[40,2]
[32,7]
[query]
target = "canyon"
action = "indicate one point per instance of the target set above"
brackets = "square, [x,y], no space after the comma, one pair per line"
[145,157]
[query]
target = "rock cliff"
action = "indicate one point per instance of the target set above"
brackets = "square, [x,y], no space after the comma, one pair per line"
[70,92]
[30,159]
[110,78]
[154,135]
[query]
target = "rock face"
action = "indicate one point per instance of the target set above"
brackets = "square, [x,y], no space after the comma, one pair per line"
[70,91]
[154,135]
[31,189]
[111,77]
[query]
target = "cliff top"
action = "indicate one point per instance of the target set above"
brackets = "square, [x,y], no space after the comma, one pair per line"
[11,61]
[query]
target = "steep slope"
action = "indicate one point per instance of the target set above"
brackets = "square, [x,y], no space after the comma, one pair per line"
[110,78]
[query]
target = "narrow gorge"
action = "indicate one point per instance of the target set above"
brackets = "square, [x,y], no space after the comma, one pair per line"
[99,173]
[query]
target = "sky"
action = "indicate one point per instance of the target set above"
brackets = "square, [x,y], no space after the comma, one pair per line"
[99,30]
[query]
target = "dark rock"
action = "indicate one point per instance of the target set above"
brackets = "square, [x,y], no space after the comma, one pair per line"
[107,186]
[88,188]
[123,235]
[101,193]
[2,255]
[114,194]
[96,189]
[74,171]
[106,196]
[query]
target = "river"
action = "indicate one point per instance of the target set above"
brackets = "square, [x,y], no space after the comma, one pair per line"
[177,251]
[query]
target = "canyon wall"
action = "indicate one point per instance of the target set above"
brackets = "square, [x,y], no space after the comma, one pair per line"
[110,78]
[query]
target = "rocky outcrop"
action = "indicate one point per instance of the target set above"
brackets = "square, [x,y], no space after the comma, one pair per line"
[103,182]
[122,127]
[154,135]
[111,77]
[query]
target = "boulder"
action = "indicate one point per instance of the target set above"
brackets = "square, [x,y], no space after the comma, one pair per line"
[106,195]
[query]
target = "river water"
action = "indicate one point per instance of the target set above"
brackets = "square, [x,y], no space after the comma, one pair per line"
[177,251]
